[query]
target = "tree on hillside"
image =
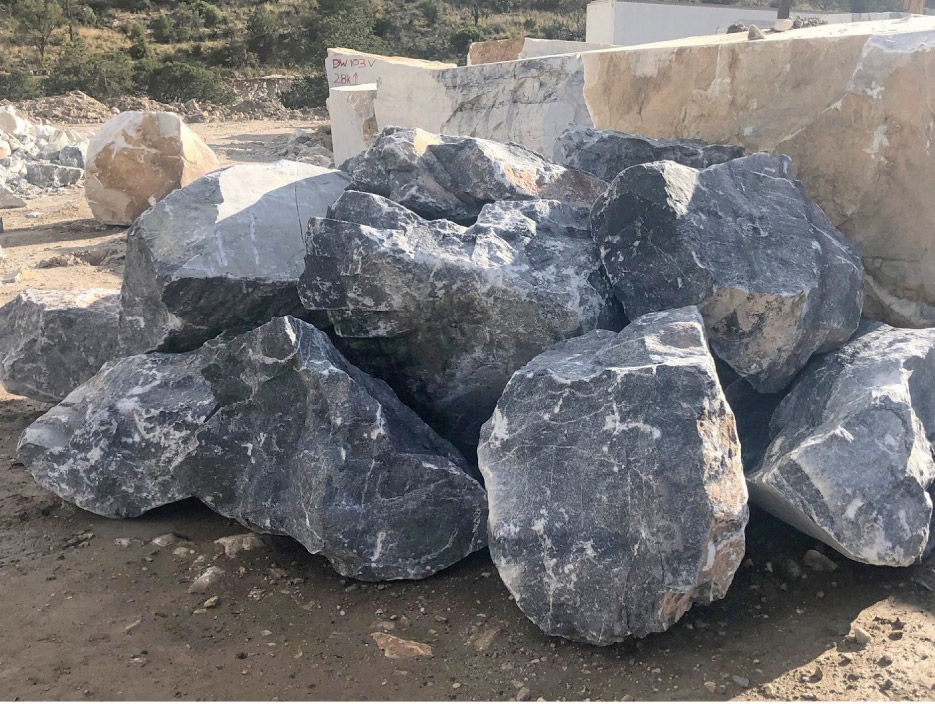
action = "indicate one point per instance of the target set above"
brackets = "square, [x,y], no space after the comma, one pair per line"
[37,21]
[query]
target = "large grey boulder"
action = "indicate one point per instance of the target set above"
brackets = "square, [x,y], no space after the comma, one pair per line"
[222,254]
[605,153]
[614,481]
[438,176]
[446,314]
[52,341]
[274,429]
[851,459]
[773,279]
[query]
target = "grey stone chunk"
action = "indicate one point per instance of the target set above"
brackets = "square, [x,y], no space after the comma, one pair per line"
[773,279]
[614,481]
[46,175]
[454,177]
[222,254]
[52,341]
[72,155]
[446,314]
[8,199]
[851,459]
[605,153]
[113,446]
[274,429]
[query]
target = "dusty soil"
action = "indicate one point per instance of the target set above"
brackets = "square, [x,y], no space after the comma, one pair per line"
[93,609]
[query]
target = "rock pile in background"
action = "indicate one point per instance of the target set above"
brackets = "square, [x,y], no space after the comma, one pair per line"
[138,158]
[589,451]
[36,159]
[615,475]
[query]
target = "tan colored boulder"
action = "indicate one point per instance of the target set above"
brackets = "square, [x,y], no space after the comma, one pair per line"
[138,158]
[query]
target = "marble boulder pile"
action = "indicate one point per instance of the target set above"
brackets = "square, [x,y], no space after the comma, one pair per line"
[36,159]
[398,363]
[275,429]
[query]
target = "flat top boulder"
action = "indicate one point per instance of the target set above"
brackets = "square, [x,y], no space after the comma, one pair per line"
[223,253]
[614,481]
[773,279]
[605,153]
[136,159]
[438,176]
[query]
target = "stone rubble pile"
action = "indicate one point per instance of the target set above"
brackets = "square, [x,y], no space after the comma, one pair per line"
[396,364]
[36,159]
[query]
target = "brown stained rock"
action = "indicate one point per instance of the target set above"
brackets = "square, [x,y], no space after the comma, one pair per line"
[138,158]
[399,648]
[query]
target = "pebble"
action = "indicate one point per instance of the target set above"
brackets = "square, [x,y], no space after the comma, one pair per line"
[235,544]
[818,562]
[165,540]
[456,685]
[885,660]
[741,681]
[211,602]
[206,580]
[710,686]
[523,695]
[861,636]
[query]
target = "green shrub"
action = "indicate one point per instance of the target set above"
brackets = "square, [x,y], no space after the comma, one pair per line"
[163,29]
[262,34]
[464,37]
[177,82]
[102,75]
[308,91]
[430,11]
[18,84]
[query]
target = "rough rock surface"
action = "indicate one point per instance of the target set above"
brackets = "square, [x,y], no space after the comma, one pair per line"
[446,314]
[224,253]
[275,429]
[454,177]
[52,341]
[773,279]
[851,460]
[35,158]
[138,158]
[605,153]
[616,493]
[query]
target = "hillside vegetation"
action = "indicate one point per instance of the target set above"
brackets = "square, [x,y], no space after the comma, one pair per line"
[177,50]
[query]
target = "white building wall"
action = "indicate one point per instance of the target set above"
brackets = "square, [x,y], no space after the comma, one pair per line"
[633,23]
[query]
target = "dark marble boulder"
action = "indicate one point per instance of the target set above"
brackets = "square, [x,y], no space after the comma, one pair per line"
[52,341]
[275,429]
[851,458]
[446,314]
[222,254]
[614,481]
[438,176]
[773,279]
[753,412]
[605,153]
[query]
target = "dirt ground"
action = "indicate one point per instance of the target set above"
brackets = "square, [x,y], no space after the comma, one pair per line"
[91,608]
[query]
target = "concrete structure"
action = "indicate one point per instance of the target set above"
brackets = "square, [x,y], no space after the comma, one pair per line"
[852,104]
[496,50]
[347,67]
[634,23]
